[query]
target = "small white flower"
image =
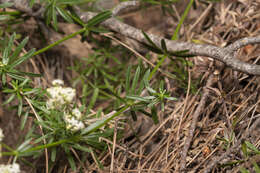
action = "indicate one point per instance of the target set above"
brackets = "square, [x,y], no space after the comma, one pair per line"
[72,123]
[57,82]
[68,94]
[11,168]
[76,113]
[60,96]
[1,135]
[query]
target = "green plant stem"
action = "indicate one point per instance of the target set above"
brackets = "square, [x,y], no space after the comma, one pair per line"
[48,145]
[174,37]
[13,13]
[184,15]
[59,41]
[101,123]
[7,147]
[14,152]
[157,67]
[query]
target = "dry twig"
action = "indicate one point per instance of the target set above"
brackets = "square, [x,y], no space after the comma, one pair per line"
[194,122]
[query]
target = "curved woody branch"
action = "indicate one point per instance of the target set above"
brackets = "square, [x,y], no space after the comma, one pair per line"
[225,55]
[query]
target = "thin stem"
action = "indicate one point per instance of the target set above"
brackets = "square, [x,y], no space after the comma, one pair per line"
[59,41]
[184,15]
[39,119]
[157,66]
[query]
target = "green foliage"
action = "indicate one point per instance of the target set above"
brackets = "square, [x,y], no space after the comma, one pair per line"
[179,64]
[10,60]
[102,77]
[55,7]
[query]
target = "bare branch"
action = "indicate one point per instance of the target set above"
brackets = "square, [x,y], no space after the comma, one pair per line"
[225,55]
[243,42]
[123,6]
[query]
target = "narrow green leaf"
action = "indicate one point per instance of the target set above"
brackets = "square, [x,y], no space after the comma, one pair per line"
[8,49]
[24,119]
[72,2]
[153,49]
[135,80]
[4,79]
[244,149]
[154,115]
[82,148]
[22,59]
[53,154]
[108,76]
[11,98]
[128,76]
[29,74]
[32,91]
[243,170]
[5,17]
[150,90]
[48,14]
[31,3]
[252,147]
[93,127]
[157,66]
[138,98]
[6,5]
[24,82]
[15,76]
[150,41]
[99,18]
[8,90]
[108,85]
[93,98]
[163,45]
[24,144]
[98,29]
[171,98]
[133,114]
[145,113]
[184,15]
[42,108]
[64,14]
[256,167]
[54,17]
[146,78]
[20,107]
[71,162]
[18,49]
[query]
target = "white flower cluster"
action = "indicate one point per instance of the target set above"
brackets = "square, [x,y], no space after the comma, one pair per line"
[73,120]
[13,168]
[61,96]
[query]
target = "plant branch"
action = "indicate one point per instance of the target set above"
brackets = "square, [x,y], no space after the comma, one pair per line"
[225,55]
